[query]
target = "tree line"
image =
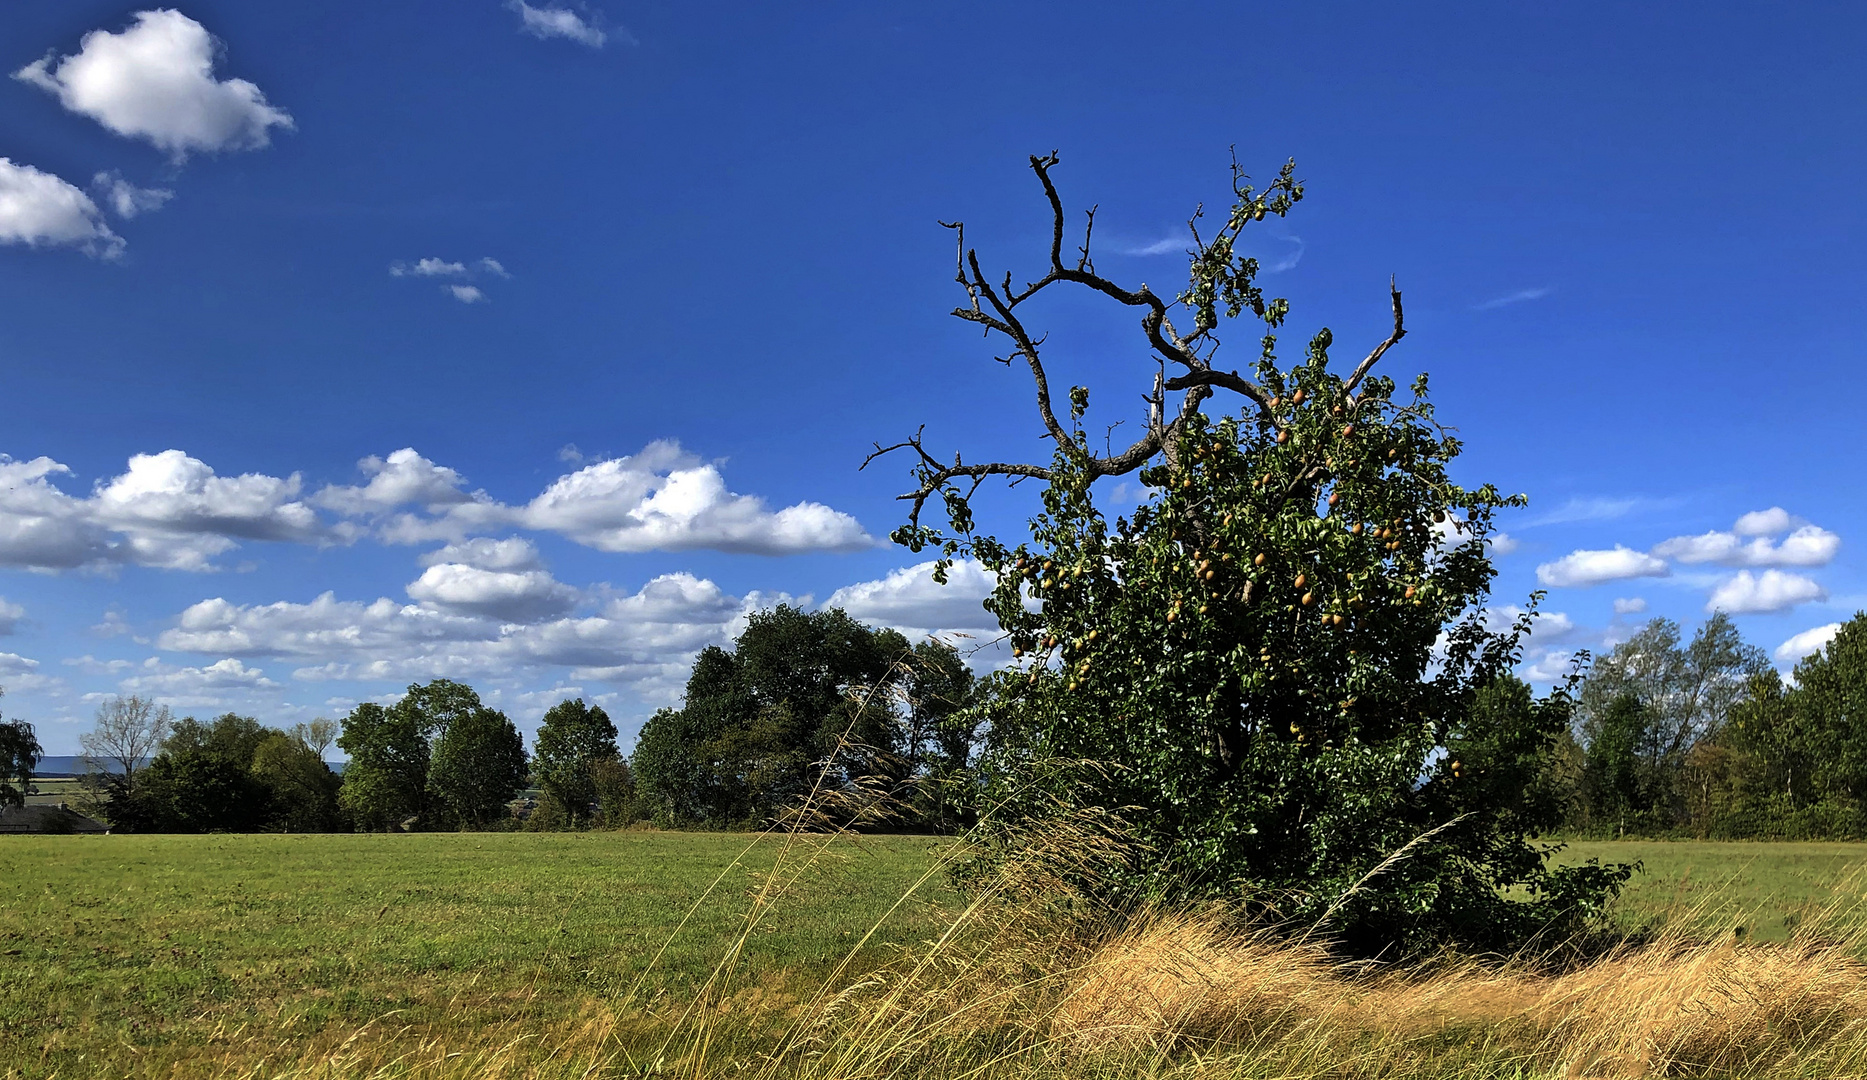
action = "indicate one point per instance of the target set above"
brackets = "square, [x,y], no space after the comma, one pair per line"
[805,701]
[1704,738]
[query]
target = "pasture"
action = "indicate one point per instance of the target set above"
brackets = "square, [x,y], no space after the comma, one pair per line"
[139,951]
[545,953]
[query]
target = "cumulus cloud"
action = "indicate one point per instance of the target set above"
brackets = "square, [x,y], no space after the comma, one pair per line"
[126,199]
[166,510]
[1585,568]
[911,601]
[434,267]
[1809,641]
[647,638]
[199,685]
[507,595]
[665,499]
[557,22]
[1629,605]
[155,81]
[1749,543]
[404,478]
[511,553]
[1770,591]
[428,268]
[173,511]
[41,210]
[1772,522]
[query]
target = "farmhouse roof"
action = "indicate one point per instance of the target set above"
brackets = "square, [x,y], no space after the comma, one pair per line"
[47,819]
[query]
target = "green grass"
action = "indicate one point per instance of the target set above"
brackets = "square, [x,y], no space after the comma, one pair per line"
[212,955]
[1767,888]
[138,949]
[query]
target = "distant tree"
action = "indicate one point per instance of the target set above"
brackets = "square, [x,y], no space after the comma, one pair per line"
[19,759]
[302,789]
[479,766]
[941,727]
[201,781]
[1619,779]
[386,779]
[803,699]
[129,731]
[1686,694]
[615,791]
[1829,710]
[317,736]
[572,738]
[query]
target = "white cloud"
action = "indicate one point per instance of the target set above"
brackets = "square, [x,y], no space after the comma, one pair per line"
[557,22]
[12,664]
[126,199]
[493,266]
[167,510]
[1772,522]
[512,553]
[1547,627]
[1585,568]
[1517,297]
[647,638]
[1548,665]
[911,601]
[1807,545]
[1807,642]
[1503,543]
[665,499]
[1771,591]
[194,682]
[467,294]
[10,616]
[155,81]
[1629,605]
[404,478]
[41,210]
[507,595]
[428,268]
[1171,245]
[173,511]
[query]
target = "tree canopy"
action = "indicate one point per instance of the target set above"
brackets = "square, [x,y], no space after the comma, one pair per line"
[804,699]
[1269,668]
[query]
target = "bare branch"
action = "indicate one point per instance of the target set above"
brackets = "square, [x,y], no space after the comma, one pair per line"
[1400,331]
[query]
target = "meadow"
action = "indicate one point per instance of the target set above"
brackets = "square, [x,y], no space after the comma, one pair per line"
[599,954]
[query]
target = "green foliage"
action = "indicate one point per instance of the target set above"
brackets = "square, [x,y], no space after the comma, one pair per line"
[802,699]
[479,765]
[1266,669]
[1684,695]
[230,775]
[614,785]
[386,780]
[19,756]
[302,788]
[572,738]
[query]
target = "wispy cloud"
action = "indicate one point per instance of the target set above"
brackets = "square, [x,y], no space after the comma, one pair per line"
[1518,297]
[1170,245]
[1288,262]
[1588,508]
[558,22]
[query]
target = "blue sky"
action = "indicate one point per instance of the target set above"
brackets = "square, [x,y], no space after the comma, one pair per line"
[351,344]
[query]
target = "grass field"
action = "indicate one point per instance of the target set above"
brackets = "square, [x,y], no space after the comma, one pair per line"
[248,955]
[124,952]
[1767,888]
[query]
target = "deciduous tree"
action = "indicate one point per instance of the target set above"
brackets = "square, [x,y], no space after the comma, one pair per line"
[1263,667]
